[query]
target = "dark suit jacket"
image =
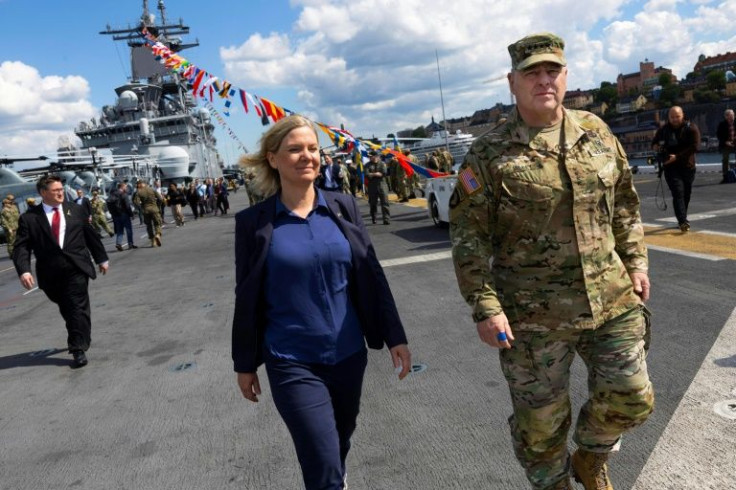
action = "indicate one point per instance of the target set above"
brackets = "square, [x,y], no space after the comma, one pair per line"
[34,235]
[370,292]
[722,134]
[86,205]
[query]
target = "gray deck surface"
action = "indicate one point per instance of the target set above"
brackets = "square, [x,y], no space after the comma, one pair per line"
[131,420]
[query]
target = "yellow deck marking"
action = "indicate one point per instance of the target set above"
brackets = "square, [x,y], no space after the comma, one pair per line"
[693,241]
[668,238]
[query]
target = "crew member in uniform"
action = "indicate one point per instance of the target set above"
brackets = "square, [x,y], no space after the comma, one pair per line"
[99,220]
[549,252]
[149,201]
[9,221]
[376,171]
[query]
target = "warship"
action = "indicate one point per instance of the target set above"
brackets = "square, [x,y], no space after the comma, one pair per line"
[155,118]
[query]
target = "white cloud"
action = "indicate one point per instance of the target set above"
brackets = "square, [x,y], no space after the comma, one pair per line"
[35,110]
[372,62]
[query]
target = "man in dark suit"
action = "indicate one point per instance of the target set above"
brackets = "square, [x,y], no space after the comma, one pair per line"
[61,237]
[83,201]
[726,133]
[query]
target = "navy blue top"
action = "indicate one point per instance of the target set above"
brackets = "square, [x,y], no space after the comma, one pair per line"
[310,317]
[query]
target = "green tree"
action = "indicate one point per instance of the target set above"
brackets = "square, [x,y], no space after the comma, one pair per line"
[419,132]
[606,93]
[704,96]
[716,80]
[665,79]
[669,95]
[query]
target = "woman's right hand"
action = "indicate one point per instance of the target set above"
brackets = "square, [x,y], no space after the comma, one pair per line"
[249,386]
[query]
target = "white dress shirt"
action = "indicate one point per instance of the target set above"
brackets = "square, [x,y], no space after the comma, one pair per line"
[50,216]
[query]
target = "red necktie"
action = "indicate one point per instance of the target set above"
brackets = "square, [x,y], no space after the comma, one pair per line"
[56,224]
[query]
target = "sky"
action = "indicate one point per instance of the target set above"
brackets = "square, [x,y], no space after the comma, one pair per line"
[370,65]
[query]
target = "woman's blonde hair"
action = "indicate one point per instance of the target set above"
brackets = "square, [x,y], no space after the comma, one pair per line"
[266,179]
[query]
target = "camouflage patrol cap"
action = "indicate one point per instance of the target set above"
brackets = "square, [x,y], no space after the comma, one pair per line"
[537,48]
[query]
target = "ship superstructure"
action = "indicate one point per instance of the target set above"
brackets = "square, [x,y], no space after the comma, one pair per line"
[458,144]
[154,115]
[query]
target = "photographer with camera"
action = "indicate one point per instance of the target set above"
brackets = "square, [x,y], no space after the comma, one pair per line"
[676,143]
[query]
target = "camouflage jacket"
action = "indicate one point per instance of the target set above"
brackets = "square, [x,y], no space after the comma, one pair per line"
[547,235]
[9,218]
[98,206]
[147,199]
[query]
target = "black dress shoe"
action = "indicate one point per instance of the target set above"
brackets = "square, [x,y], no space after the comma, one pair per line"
[132,246]
[119,247]
[80,359]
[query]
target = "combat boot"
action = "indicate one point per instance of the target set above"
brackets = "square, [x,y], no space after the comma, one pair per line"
[590,469]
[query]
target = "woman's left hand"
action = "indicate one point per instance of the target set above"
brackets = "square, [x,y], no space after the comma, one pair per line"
[401,357]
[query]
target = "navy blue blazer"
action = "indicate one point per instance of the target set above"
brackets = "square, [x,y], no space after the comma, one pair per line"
[370,292]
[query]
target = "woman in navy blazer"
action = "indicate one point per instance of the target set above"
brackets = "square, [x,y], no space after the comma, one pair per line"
[310,294]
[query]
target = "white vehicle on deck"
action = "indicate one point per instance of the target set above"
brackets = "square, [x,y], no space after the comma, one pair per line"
[438,192]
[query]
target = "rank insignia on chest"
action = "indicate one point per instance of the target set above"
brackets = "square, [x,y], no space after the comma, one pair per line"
[469,181]
[597,147]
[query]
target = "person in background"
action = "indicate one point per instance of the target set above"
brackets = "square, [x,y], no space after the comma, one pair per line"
[353,178]
[149,201]
[202,190]
[726,134]
[162,194]
[210,196]
[549,253]
[9,217]
[99,220]
[83,201]
[175,199]
[676,142]
[223,204]
[61,238]
[192,196]
[121,209]
[330,178]
[376,172]
[311,330]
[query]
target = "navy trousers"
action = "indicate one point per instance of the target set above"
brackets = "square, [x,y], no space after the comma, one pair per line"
[319,405]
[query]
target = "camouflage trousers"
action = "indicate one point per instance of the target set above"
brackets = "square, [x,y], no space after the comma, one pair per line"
[100,223]
[10,239]
[152,218]
[620,395]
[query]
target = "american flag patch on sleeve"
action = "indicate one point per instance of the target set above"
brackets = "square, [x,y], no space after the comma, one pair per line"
[469,181]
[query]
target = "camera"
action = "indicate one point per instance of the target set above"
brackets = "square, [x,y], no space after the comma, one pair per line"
[658,159]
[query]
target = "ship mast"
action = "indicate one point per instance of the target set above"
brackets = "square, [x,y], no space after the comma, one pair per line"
[442,99]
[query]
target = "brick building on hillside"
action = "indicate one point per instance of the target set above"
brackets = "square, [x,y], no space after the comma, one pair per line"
[721,62]
[642,81]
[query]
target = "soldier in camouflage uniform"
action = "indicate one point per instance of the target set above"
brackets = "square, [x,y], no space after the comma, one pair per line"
[397,173]
[448,160]
[376,171]
[413,181]
[402,187]
[149,201]
[9,217]
[99,220]
[549,197]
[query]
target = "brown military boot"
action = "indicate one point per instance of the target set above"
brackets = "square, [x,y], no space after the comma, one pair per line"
[590,469]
